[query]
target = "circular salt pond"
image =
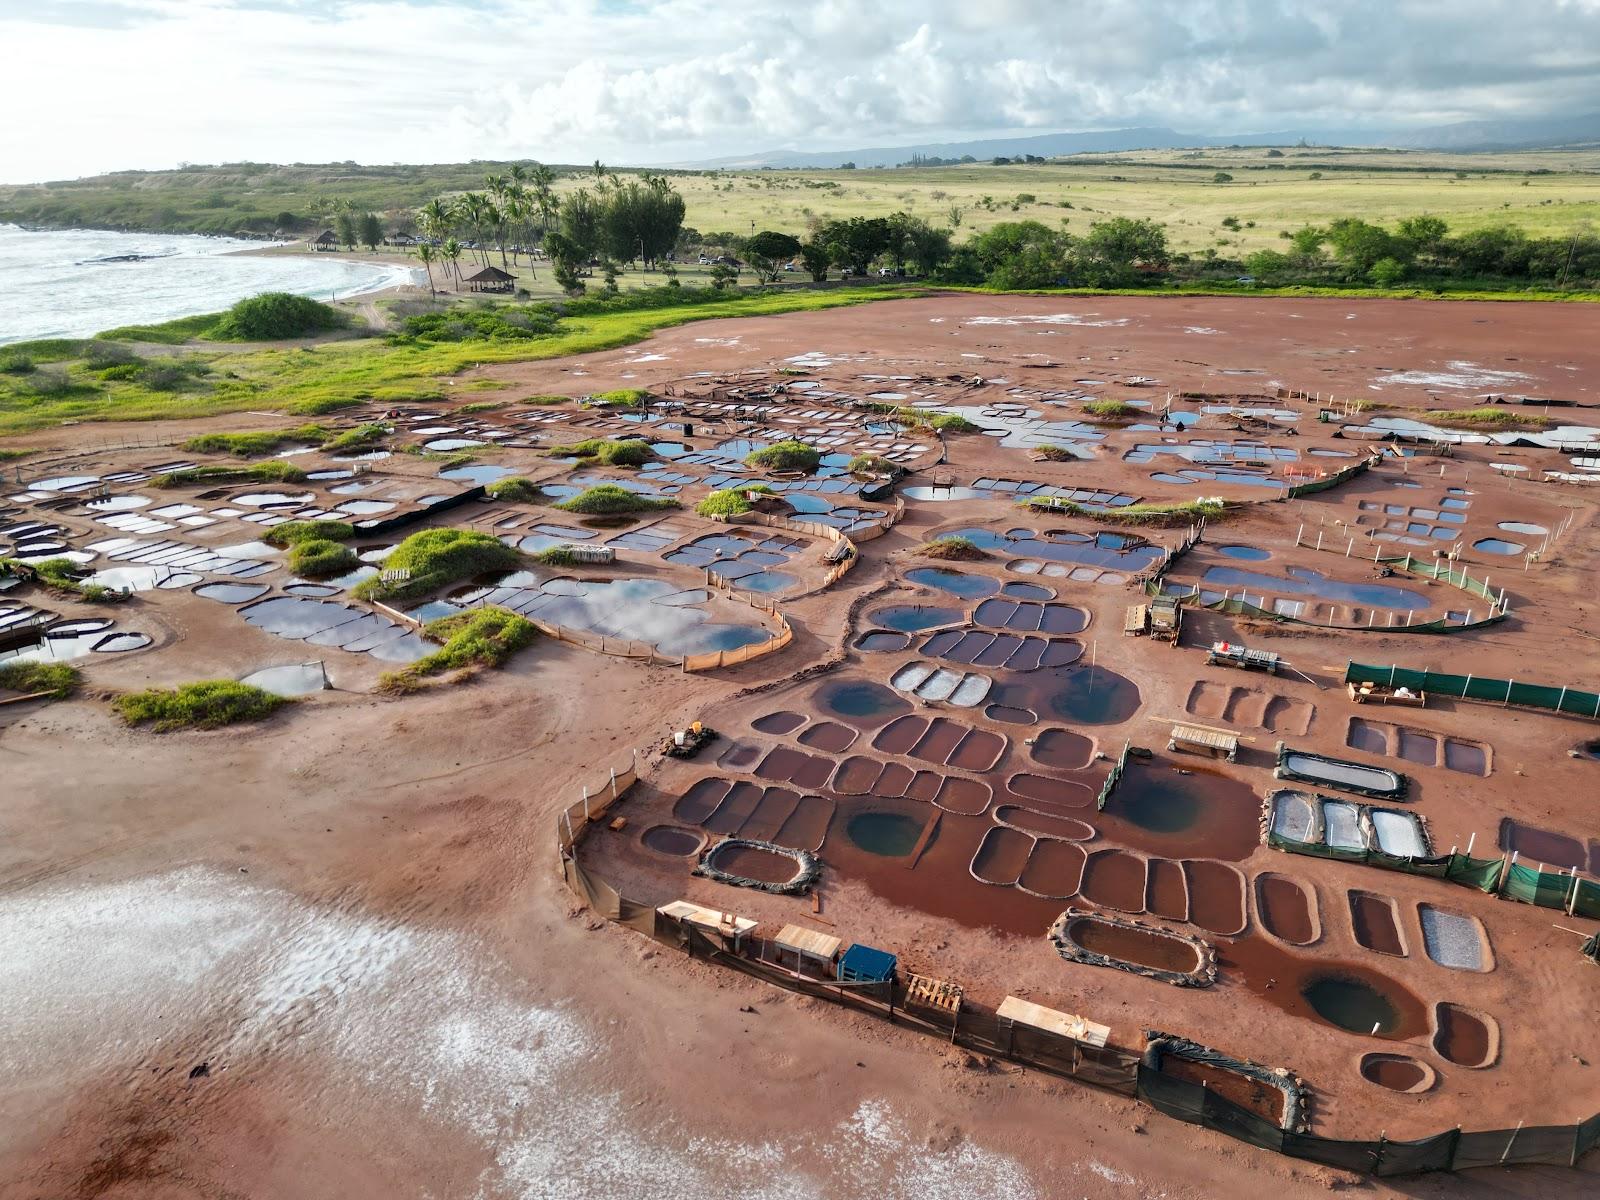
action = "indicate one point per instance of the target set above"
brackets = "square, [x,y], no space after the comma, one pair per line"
[1526,527]
[291,679]
[862,700]
[1351,1004]
[447,444]
[1498,546]
[886,834]
[880,641]
[1247,553]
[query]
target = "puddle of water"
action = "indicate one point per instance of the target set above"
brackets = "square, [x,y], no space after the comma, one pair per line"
[886,834]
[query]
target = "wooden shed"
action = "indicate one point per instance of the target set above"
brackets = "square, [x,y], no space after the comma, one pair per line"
[808,947]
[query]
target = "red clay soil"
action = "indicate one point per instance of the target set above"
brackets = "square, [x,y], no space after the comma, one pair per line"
[331,954]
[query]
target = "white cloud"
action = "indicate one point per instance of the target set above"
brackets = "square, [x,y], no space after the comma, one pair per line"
[118,83]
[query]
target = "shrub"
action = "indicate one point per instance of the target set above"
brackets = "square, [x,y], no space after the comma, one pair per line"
[61,574]
[1480,418]
[947,422]
[1185,513]
[206,704]
[98,355]
[481,405]
[557,556]
[1109,410]
[56,680]
[545,401]
[630,452]
[620,398]
[785,456]
[437,557]
[1056,454]
[293,532]
[253,445]
[121,373]
[490,323]
[870,464]
[318,558]
[15,362]
[273,316]
[955,549]
[605,498]
[515,490]
[729,502]
[274,471]
[7,454]
[481,638]
[358,438]
[170,375]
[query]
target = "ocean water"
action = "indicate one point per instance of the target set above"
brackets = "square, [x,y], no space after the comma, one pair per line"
[57,284]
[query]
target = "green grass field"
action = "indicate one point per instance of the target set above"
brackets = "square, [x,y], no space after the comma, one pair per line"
[1547,192]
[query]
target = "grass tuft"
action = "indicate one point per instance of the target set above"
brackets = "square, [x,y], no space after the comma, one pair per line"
[1158,515]
[630,452]
[318,558]
[1110,410]
[254,445]
[515,490]
[291,532]
[436,558]
[729,502]
[1484,418]
[272,471]
[952,549]
[785,456]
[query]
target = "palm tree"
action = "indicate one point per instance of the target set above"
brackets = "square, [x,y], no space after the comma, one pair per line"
[426,253]
[451,253]
[436,217]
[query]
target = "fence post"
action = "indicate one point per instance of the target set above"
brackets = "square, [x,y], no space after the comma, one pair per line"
[587,815]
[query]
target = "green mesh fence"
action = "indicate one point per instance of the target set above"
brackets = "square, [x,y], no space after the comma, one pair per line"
[1477,687]
[1110,785]
[1332,481]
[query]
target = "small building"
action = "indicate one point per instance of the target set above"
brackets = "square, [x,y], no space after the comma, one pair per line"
[491,279]
[810,949]
[1015,1011]
[402,239]
[725,927]
[1198,739]
[867,965]
[326,240]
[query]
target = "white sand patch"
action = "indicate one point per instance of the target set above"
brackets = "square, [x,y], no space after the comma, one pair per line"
[643,358]
[411,1022]
[1051,319]
[711,341]
[1200,329]
[1462,374]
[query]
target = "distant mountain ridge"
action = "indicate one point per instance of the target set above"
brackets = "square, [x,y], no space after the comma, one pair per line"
[1460,137]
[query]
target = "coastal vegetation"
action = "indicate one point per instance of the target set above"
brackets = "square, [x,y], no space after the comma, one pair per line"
[53,681]
[785,456]
[319,558]
[291,533]
[607,499]
[434,558]
[205,704]
[515,490]
[952,549]
[630,452]
[472,641]
[729,502]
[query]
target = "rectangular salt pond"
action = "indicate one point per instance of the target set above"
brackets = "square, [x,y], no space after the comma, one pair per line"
[1341,823]
[1399,834]
[1453,939]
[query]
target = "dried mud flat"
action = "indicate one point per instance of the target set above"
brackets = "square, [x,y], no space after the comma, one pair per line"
[332,955]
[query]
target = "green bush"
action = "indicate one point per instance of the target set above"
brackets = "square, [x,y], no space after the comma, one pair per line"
[437,558]
[121,373]
[55,680]
[515,490]
[947,422]
[1056,454]
[359,438]
[490,323]
[481,638]
[785,456]
[545,401]
[8,455]
[729,502]
[291,532]
[206,704]
[620,398]
[14,362]
[870,464]
[273,471]
[253,445]
[1110,410]
[1485,418]
[1185,513]
[557,556]
[274,316]
[605,498]
[61,574]
[318,558]
[629,452]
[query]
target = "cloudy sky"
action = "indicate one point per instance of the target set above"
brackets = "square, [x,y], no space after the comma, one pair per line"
[96,85]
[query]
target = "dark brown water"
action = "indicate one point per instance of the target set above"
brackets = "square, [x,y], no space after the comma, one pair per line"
[1463,1037]
[1146,947]
[780,722]
[1285,906]
[752,862]
[1376,923]
[1393,1071]
[1216,896]
[673,840]
[1115,879]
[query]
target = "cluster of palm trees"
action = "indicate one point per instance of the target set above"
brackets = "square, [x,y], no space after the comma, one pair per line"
[514,212]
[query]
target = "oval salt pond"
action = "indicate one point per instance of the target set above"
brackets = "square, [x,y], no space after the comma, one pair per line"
[1018,590]
[76,628]
[1498,546]
[1351,1004]
[868,703]
[887,834]
[231,593]
[957,583]
[1466,1038]
[477,473]
[1246,553]
[939,494]
[752,862]
[128,579]
[879,641]
[1397,1072]
[673,840]
[116,643]
[1526,527]
[909,618]
[272,499]
[291,679]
